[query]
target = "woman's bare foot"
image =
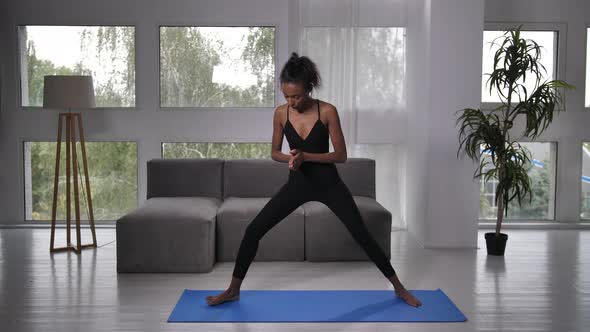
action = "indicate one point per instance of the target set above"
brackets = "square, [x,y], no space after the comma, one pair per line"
[226,296]
[408,297]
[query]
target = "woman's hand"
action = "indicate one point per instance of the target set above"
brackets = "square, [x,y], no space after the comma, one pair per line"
[296,159]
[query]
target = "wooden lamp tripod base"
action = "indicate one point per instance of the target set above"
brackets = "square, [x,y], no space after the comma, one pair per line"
[70,120]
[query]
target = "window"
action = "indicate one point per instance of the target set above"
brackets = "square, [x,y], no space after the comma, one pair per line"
[372,58]
[112,170]
[488,193]
[541,171]
[585,211]
[217,150]
[217,66]
[363,70]
[378,49]
[105,52]
[546,39]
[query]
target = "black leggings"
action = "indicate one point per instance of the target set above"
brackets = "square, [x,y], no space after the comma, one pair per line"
[293,194]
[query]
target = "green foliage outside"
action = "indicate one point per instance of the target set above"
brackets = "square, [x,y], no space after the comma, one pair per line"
[36,70]
[538,209]
[114,81]
[217,150]
[112,168]
[114,45]
[187,61]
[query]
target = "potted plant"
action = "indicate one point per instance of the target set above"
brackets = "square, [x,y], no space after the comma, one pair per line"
[488,131]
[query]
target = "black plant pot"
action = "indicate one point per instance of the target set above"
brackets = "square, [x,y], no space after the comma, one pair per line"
[496,244]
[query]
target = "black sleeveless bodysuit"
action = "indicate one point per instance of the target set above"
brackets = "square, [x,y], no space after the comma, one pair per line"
[317,141]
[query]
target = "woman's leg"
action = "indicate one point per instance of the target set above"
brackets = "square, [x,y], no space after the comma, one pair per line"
[282,204]
[286,200]
[339,199]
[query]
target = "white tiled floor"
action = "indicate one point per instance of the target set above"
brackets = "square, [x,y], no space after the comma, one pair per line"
[541,284]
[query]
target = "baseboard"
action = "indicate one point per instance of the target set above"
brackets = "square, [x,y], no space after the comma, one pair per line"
[491,225]
[536,225]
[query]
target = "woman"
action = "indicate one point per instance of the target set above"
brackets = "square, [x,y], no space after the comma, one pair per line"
[308,125]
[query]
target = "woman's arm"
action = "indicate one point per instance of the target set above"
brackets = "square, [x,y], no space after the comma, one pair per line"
[277,139]
[339,155]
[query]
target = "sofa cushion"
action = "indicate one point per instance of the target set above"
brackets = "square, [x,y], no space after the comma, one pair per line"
[168,234]
[184,178]
[283,242]
[328,239]
[262,177]
[253,177]
[162,209]
[359,176]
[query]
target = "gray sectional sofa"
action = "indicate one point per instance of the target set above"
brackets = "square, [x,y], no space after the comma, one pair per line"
[197,211]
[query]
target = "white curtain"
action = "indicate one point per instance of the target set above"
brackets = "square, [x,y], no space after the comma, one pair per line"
[359,48]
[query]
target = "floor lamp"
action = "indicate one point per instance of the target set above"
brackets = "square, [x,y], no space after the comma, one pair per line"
[67,92]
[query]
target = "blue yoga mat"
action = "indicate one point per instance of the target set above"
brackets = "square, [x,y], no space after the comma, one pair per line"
[316,306]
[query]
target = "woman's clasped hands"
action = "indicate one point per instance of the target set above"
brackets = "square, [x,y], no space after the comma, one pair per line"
[296,159]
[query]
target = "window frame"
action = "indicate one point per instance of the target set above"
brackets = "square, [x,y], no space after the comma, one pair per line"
[560,47]
[586,66]
[21,166]
[19,80]
[581,173]
[553,217]
[160,108]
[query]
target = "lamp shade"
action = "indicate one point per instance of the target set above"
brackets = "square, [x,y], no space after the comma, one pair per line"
[69,91]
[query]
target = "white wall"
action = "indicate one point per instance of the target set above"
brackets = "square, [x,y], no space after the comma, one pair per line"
[416,150]
[455,71]
[444,54]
